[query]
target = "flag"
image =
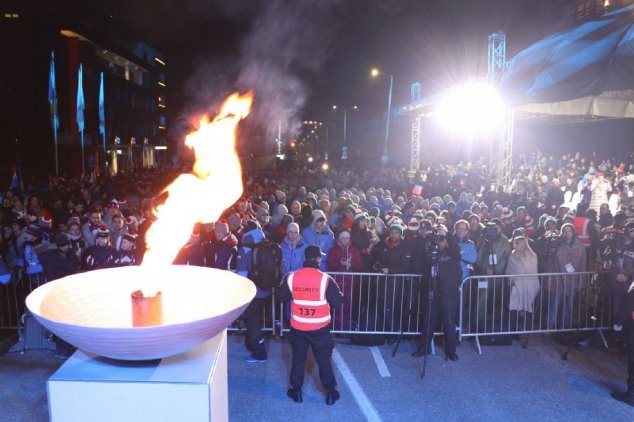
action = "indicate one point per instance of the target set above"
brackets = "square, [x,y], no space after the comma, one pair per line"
[102,114]
[418,190]
[15,178]
[52,94]
[80,100]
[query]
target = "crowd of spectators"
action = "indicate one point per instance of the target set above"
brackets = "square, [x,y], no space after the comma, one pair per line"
[363,219]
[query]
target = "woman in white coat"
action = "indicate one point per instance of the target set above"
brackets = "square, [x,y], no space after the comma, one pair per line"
[524,289]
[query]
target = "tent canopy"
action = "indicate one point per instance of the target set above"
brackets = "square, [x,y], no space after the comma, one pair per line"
[585,71]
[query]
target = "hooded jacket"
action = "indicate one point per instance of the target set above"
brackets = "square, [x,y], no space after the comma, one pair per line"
[292,255]
[245,257]
[325,239]
[338,253]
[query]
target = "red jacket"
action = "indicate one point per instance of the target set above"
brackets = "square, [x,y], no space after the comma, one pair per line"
[338,256]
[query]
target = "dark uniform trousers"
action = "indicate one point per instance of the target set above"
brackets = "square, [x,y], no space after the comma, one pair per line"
[321,342]
[253,320]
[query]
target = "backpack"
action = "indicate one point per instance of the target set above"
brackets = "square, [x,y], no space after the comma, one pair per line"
[266,265]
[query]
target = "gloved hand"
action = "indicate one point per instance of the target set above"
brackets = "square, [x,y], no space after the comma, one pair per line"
[617,328]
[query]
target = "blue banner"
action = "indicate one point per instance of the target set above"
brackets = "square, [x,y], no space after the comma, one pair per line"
[80,100]
[102,114]
[52,94]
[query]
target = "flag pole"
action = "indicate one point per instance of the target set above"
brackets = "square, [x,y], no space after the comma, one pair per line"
[83,165]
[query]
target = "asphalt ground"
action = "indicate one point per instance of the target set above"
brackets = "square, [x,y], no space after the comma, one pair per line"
[504,383]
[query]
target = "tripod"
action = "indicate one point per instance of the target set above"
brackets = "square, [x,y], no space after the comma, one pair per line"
[433,284]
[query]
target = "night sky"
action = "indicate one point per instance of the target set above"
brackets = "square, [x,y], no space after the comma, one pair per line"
[302,56]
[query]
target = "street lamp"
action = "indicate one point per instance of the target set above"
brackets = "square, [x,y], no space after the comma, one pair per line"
[344,149]
[375,73]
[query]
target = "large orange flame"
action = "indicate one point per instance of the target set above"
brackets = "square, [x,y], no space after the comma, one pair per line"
[216,183]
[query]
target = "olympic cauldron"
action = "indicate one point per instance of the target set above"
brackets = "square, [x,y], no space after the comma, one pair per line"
[94,311]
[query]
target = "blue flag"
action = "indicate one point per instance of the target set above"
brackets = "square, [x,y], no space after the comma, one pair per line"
[52,94]
[80,100]
[102,114]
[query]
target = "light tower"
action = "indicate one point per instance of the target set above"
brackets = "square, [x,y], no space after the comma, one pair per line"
[501,151]
[414,166]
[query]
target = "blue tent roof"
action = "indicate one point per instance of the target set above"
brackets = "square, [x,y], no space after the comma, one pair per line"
[593,58]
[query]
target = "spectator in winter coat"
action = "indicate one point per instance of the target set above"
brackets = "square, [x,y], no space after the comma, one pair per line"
[318,234]
[292,249]
[345,258]
[253,314]
[279,232]
[468,254]
[89,229]
[221,252]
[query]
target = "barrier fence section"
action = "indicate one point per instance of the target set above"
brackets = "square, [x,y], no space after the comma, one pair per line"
[13,295]
[534,303]
[388,304]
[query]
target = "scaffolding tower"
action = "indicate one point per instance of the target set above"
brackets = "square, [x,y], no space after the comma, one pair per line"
[501,147]
[414,165]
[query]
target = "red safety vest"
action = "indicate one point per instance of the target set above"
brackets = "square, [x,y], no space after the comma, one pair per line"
[309,309]
[581,227]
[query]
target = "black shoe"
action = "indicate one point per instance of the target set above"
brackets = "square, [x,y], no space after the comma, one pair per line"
[624,397]
[296,395]
[452,357]
[332,397]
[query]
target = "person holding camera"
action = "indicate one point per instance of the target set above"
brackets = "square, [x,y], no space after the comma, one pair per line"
[618,259]
[493,256]
[445,279]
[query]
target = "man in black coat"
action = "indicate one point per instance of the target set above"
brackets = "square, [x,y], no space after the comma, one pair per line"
[57,263]
[445,289]
[60,261]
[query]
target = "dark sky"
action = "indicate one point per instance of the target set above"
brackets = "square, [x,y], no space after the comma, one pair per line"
[302,56]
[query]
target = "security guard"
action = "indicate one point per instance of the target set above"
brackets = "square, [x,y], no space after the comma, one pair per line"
[312,293]
[625,322]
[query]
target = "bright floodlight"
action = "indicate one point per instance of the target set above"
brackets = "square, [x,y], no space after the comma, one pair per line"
[471,110]
[374,72]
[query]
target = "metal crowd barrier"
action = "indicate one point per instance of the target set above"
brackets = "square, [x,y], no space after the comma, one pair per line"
[388,304]
[269,318]
[13,295]
[534,303]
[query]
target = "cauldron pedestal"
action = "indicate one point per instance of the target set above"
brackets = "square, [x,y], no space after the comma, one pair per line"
[191,386]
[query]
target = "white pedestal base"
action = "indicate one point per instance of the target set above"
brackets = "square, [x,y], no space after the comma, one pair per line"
[189,387]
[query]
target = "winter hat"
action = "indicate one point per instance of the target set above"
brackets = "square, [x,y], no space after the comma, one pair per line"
[131,235]
[413,225]
[418,216]
[264,205]
[351,208]
[318,215]
[507,214]
[286,220]
[528,222]
[45,220]
[131,221]
[262,212]
[61,240]
[519,232]
[103,231]
[292,227]
[550,220]
[279,195]
[360,216]
[396,227]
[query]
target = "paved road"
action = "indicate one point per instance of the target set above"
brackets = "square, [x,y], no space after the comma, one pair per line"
[502,384]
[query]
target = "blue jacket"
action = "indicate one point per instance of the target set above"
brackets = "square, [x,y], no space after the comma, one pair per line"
[245,258]
[468,257]
[325,240]
[292,256]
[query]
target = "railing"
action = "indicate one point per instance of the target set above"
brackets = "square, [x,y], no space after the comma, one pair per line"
[374,303]
[392,304]
[534,303]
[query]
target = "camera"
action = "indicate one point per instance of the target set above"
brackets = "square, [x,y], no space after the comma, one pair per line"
[553,242]
[491,231]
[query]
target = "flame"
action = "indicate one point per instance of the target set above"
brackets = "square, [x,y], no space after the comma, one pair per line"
[216,183]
